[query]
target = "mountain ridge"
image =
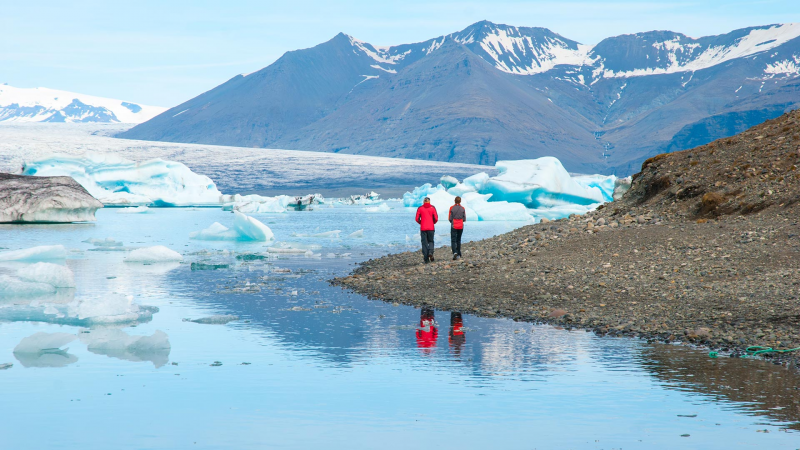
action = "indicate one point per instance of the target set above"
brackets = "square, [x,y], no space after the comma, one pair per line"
[524,92]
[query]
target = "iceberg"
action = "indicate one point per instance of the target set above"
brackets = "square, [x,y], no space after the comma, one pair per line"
[155,254]
[447,181]
[134,210]
[45,200]
[40,253]
[356,234]
[44,350]
[116,343]
[48,273]
[245,228]
[13,287]
[538,182]
[383,207]
[220,319]
[118,181]
[522,191]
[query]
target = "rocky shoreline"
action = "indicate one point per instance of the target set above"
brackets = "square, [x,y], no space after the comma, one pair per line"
[704,249]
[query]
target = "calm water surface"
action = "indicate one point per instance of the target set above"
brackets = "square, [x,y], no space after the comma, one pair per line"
[309,365]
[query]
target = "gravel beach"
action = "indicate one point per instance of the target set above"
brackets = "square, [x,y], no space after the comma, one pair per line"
[703,249]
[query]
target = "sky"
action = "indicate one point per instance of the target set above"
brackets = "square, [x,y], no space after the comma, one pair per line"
[166,52]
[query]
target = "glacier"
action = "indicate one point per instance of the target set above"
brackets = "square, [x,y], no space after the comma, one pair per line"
[244,228]
[523,190]
[121,182]
[44,200]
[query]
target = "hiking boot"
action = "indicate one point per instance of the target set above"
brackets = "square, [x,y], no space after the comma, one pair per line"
[432,260]
[455,257]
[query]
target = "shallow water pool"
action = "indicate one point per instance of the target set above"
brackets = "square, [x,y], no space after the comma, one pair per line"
[308,365]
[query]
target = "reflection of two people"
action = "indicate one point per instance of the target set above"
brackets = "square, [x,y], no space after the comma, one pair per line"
[428,332]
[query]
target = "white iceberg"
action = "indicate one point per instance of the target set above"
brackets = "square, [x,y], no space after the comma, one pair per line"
[134,210]
[245,228]
[155,254]
[48,273]
[41,341]
[447,181]
[40,253]
[44,350]
[523,190]
[118,181]
[107,310]
[538,182]
[383,207]
[356,234]
[116,343]
[13,287]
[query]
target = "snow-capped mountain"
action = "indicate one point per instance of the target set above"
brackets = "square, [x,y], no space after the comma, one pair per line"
[50,105]
[495,91]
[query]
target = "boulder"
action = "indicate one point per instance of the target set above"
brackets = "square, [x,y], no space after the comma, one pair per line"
[28,199]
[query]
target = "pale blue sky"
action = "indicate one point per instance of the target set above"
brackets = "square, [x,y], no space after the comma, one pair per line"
[166,52]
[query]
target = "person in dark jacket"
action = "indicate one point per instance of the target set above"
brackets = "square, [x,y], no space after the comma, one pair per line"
[427,218]
[457,216]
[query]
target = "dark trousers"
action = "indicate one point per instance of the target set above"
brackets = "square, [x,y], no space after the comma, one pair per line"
[455,240]
[427,243]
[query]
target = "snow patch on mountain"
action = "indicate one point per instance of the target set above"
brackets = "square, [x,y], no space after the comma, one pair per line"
[787,67]
[50,105]
[692,55]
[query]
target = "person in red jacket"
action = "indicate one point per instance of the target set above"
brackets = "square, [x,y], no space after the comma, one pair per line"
[427,218]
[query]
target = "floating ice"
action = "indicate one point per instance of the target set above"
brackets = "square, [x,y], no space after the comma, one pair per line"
[356,234]
[154,254]
[134,210]
[44,350]
[245,228]
[13,287]
[107,242]
[41,341]
[219,319]
[40,253]
[116,343]
[44,200]
[48,273]
[118,181]
[5,366]
[383,207]
[521,191]
[333,234]
[447,181]
[538,182]
[109,309]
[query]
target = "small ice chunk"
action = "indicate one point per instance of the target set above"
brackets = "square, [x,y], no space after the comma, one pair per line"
[40,253]
[357,234]
[154,254]
[41,341]
[216,232]
[135,210]
[383,207]
[119,344]
[5,366]
[447,181]
[109,309]
[251,228]
[107,242]
[53,274]
[328,234]
[219,319]
[11,287]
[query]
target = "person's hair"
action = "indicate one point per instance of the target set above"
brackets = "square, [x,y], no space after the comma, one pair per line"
[458,200]
[427,200]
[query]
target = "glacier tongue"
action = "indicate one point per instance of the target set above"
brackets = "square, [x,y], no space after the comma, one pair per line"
[118,181]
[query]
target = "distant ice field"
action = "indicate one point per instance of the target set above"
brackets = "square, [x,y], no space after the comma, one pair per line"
[234,169]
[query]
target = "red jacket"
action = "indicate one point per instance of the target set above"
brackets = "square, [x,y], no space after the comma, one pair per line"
[426,217]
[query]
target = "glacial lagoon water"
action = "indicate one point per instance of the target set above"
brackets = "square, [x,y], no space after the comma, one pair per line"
[309,365]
